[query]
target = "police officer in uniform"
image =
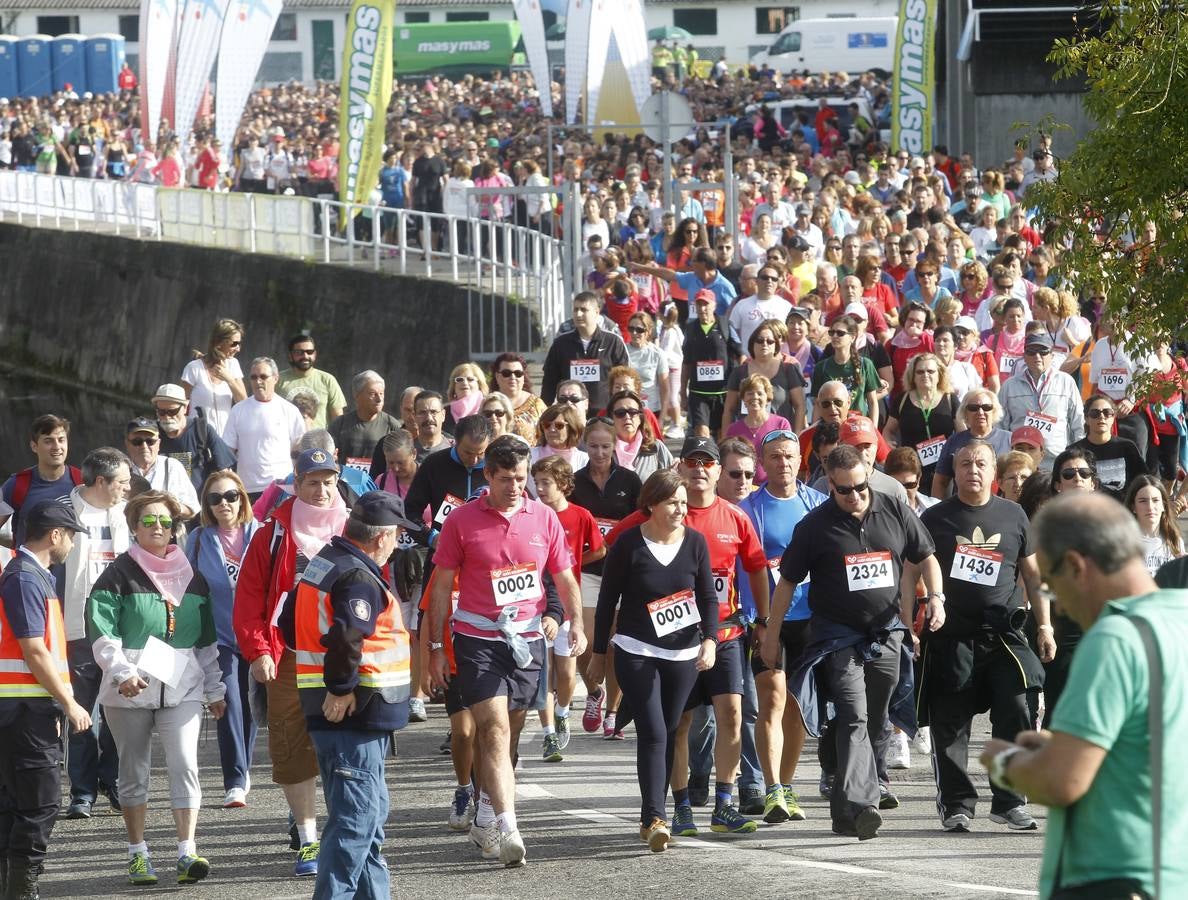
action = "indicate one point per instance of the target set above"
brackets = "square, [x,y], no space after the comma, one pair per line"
[34,691]
[354,677]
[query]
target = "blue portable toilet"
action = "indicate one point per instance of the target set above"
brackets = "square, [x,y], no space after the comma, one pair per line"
[68,54]
[105,56]
[35,70]
[10,83]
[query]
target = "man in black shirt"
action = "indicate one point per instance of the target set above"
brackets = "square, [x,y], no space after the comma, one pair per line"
[856,549]
[586,354]
[428,181]
[980,660]
[707,364]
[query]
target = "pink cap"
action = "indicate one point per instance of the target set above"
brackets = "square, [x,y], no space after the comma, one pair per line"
[858,430]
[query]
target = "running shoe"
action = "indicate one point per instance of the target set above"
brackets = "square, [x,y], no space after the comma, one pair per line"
[236,798]
[608,726]
[445,745]
[486,838]
[307,860]
[899,755]
[887,800]
[775,807]
[923,741]
[656,836]
[956,821]
[552,749]
[1016,819]
[416,710]
[825,786]
[795,813]
[561,725]
[461,810]
[592,717]
[682,822]
[140,870]
[728,820]
[867,823]
[192,868]
[511,848]
[750,802]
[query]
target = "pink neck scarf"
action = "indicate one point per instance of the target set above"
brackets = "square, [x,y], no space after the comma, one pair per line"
[170,575]
[466,406]
[313,526]
[627,452]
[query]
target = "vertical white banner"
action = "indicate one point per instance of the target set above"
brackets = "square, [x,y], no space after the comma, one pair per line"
[632,39]
[202,23]
[601,25]
[577,45]
[157,28]
[247,30]
[532,30]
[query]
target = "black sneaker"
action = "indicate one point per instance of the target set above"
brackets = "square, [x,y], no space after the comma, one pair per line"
[825,786]
[887,800]
[698,790]
[867,823]
[445,745]
[750,802]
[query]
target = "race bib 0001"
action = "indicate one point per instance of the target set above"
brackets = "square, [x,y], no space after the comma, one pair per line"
[674,612]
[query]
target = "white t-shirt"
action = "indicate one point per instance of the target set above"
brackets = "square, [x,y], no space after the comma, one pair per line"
[262,436]
[214,399]
[750,312]
[648,361]
[251,163]
[169,475]
[101,548]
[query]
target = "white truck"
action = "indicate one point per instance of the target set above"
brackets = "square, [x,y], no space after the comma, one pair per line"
[833,45]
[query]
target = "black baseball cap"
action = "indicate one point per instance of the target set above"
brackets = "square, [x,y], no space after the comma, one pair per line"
[381,508]
[52,514]
[698,444]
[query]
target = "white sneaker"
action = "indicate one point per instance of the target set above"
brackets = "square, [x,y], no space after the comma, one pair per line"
[898,754]
[235,798]
[511,849]
[416,710]
[486,837]
[923,741]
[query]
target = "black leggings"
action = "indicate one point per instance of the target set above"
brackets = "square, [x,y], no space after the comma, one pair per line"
[657,690]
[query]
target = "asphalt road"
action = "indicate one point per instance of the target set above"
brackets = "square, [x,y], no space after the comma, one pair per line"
[580,823]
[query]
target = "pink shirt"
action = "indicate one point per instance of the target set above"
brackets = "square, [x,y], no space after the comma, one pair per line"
[477,541]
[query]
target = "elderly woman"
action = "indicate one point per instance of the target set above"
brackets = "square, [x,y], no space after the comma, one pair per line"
[1014,468]
[765,358]
[501,416]
[1058,311]
[213,381]
[558,433]
[151,623]
[636,445]
[510,376]
[468,386]
[216,552]
[969,349]
[978,417]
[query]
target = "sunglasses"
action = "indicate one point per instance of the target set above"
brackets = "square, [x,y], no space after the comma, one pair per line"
[626,413]
[1037,351]
[746,474]
[494,413]
[695,462]
[839,404]
[767,278]
[772,341]
[856,489]
[979,407]
[635,329]
[512,373]
[168,413]
[1082,472]
[571,399]
[910,485]
[151,520]
[304,352]
[838,332]
[214,498]
[140,442]
[1103,412]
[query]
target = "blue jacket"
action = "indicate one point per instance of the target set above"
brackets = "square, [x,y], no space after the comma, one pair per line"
[205,554]
[828,637]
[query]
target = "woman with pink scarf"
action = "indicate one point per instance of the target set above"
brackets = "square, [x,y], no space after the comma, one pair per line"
[150,621]
[464,394]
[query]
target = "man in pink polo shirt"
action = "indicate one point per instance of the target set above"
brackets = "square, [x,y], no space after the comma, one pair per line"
[500,546]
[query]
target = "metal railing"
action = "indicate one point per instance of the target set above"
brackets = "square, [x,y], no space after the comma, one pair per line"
[516,278]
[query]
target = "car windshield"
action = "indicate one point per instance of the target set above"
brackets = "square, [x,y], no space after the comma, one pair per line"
[788,42]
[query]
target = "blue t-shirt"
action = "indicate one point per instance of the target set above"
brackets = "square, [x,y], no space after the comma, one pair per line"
[25,588]
[39,489]
[691,283]
[775,520]
[392,182]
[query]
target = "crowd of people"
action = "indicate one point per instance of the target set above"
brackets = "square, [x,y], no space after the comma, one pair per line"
[873,382]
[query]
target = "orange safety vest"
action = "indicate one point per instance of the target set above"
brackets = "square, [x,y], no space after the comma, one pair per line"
[17,681]
[384,666]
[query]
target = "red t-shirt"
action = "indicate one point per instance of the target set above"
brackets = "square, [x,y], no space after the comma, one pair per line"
[208,169]
[581,531]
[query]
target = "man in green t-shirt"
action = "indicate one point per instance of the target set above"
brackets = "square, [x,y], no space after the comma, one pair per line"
[1093,768]
[302,376]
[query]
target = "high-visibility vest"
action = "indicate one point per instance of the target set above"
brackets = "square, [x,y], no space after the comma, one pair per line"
[384,665]
[17,680]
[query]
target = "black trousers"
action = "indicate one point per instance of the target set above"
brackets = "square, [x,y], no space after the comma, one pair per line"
[997,686]
[93,763]
[30,780]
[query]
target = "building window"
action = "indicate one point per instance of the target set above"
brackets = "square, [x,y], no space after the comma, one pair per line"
[56,25]
[774,19]
[129,27]
[468,17]
[286,27]
[696,21]
[278,67]
[416,18]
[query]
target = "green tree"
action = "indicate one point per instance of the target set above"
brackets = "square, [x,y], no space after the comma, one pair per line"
[1119,202]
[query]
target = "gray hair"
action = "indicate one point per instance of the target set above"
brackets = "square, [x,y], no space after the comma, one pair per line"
[316,439]
[1097,527]
[103,462]
[834,386]
[364,378]
[397,441]
[826,268]
[265,361]
[750,270]
[972,394]
[362,533]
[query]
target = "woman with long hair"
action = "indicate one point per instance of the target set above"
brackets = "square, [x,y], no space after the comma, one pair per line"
[636,444]
[925,415]
[1152,507]
[213,381]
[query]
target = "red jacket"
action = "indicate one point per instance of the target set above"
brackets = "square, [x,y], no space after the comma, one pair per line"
[268,572]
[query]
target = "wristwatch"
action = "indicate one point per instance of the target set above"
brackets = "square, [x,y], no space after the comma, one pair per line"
[436,645]
[940,595]
[761,620]
[998,767]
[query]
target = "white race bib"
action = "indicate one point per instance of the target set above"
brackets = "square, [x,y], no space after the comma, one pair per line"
[869,571]
[363,464]
[605,525]
[448,505]
[586,370]
[930,450]
[711,370]
[1008,364]
[722,586]
[1114,382]
[100,560]
[1045,424]
[975,565]
[674,612]
[515,584]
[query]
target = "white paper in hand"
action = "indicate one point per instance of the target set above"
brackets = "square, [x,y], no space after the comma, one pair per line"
[162,662]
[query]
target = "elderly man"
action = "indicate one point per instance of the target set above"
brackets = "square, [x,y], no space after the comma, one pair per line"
[358,433]
[832,404]
[1116,721]
[263,429]
[192,442]
[142,442]
[1043,398]
[301,375]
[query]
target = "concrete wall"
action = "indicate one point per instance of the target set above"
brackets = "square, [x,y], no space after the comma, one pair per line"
[124,314]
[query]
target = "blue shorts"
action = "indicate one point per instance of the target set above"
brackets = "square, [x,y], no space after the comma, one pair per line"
[726,677]
[486,669]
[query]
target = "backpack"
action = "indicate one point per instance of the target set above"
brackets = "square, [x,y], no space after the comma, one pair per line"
[23,480]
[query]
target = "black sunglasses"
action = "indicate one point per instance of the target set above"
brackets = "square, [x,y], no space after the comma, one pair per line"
[741,473]
[626,413]
[1072,472]
[140,442]
[213,498]
[979,407]
[1101,412]
[571,399]
[512,373]
[846,491]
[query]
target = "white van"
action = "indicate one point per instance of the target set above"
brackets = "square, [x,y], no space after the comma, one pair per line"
[833,45]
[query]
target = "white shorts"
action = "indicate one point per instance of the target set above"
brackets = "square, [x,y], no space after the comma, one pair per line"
[591,585]
[561,641]
[411,615]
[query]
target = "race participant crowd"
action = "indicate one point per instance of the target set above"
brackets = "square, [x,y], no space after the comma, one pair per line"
[818,472]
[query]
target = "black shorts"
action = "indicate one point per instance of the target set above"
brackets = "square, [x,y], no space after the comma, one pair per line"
[453,696]
[486,669]
[793,638]
[726,677]
[706,409]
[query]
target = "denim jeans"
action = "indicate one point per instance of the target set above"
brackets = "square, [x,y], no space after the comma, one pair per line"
[350,859]
[237,728]
[92,762]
